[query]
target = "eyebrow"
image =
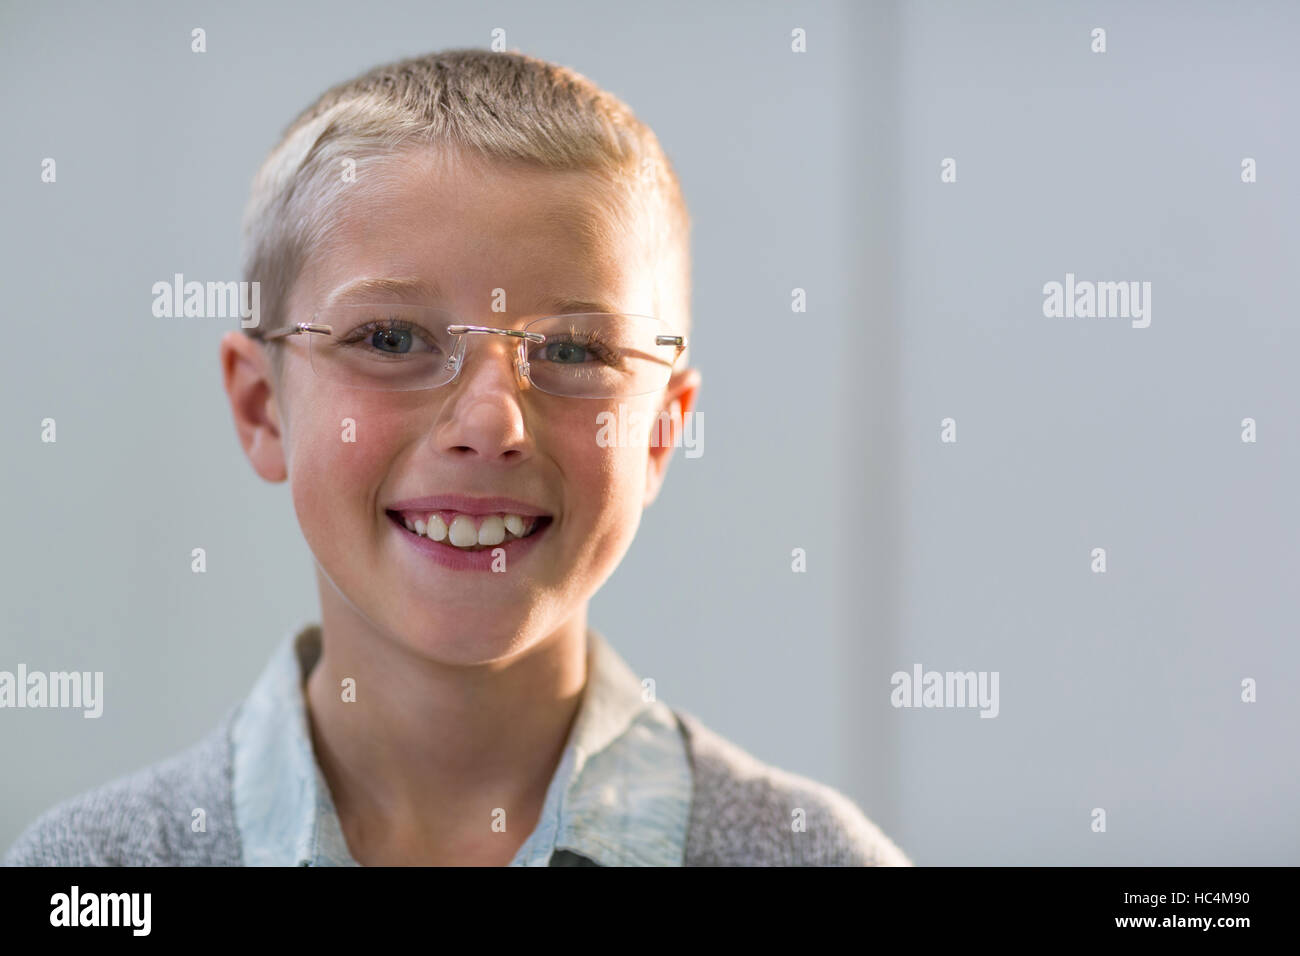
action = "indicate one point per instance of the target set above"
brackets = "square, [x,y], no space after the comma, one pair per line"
[405,286]
[415,288]
[557,305]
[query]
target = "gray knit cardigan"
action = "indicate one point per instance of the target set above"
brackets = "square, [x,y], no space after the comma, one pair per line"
[741,814]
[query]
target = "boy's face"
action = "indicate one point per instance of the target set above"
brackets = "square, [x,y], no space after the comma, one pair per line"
[468,229]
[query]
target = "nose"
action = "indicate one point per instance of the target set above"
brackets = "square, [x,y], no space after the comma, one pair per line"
[482,416]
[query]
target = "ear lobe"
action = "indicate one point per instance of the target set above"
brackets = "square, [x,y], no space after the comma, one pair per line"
[250,388]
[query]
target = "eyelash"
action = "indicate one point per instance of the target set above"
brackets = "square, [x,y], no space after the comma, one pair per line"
[363,332]
[587,339]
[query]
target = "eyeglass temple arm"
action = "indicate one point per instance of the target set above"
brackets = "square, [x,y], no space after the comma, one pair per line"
[677,341]
[297,328]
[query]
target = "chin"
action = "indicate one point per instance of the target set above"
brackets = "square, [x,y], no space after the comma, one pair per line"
[462,641]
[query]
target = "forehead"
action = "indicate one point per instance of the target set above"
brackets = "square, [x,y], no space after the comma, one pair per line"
[458,229]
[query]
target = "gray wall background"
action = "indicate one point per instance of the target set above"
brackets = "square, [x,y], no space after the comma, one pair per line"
[816,170]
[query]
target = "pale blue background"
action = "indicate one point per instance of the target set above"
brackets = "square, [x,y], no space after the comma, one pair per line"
[819,171]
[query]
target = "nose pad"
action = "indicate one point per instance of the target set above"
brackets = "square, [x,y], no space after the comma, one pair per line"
[521,373]
[456,359]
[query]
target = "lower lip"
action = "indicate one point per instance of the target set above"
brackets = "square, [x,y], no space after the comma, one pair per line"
[450,556]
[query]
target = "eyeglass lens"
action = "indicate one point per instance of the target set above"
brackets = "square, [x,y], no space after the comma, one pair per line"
[404,347]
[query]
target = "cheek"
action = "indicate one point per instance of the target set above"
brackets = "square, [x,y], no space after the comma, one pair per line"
[607,479]
[340,449]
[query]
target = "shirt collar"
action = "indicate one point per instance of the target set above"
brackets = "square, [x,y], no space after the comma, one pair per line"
[620,795]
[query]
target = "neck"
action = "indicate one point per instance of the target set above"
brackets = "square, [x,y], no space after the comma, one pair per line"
[422,734]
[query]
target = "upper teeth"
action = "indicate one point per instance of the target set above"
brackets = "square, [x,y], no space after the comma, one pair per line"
[462,531]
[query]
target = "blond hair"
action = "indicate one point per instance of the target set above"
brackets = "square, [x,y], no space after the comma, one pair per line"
[499,106]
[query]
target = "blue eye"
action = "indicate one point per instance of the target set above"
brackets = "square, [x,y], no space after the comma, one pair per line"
[565,353]
[392,340]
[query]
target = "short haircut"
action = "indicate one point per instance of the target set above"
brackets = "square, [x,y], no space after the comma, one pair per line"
[498,106]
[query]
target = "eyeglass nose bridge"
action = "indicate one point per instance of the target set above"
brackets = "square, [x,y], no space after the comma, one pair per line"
[457,358]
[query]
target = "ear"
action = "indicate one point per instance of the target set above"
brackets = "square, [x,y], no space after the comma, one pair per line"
[666,433]
[246,373]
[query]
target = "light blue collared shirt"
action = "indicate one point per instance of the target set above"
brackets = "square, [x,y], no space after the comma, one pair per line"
[620,796]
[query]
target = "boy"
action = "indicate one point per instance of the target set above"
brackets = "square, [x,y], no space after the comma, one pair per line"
[464,259]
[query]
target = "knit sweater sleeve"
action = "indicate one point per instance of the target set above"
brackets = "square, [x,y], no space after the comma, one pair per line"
[747,813]
[176,812]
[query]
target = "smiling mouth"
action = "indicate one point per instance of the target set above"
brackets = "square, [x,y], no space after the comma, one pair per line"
[469,532]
